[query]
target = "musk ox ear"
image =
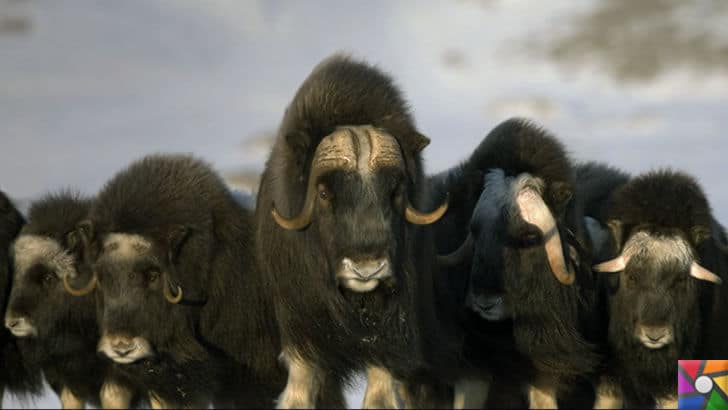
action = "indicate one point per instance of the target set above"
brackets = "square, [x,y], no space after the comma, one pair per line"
[298,141]
[175,238]
[699,233]
[561,192]
[419,142]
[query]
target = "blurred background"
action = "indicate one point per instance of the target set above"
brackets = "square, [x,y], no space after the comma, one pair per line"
[88,86]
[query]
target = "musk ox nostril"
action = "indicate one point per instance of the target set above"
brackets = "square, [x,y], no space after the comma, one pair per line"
[12,323]
[366,269]
[123,348]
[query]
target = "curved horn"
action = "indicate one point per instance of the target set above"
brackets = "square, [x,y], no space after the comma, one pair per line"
[613,265]
[303,219]
[534,210]
[335,151]
[418,218]
[171,298]
[79,292]
[461,254]
[699,272]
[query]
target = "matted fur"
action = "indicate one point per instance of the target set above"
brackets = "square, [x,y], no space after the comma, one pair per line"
[392,326]
[665,205]
[17,375]
[65,346]
[220,343]
[551,333]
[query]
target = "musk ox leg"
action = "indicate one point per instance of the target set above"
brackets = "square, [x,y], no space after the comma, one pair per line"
[304,383]
[471,393]
[114,396]
[608,395]
[666,402]
[332,394]
[380,392]
[542,393]
[70,400]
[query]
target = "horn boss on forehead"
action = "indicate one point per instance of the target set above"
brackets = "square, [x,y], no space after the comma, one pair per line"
[361,148]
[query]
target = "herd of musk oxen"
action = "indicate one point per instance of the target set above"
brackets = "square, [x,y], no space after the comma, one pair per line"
[517,278]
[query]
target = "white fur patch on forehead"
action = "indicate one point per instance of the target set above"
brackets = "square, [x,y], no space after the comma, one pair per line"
[661,249]
[29,250]
[125,246]
[528,181]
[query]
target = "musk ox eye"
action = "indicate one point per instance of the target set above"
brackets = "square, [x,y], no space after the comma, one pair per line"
[48,278]
[153,275]
[324,194]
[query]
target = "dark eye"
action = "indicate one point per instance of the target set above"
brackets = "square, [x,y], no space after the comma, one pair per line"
[48,278]
[153,274]
[324,194]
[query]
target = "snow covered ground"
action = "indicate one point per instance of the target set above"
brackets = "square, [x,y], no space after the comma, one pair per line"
[88,86]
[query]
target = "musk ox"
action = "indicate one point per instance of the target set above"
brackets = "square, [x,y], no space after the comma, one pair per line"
[341,239]
[529,281]
[57,332]
[183,306]
[665,302]
[16,375]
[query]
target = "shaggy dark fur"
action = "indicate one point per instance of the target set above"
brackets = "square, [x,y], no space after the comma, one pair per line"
[220,343]
[549,332]
[16,374]
[339,330]
[666,203]
[65,346]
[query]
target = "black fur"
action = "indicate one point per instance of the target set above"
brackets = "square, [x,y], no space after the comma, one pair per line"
[550,334]
[668,203]
[16,375]
[220,343]
[65,346]
[339,330]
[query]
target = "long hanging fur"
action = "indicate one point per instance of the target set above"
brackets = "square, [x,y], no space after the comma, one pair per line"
[227,348]
[17,375]
[343,333]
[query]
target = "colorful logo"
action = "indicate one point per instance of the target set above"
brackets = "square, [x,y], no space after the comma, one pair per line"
[702,384]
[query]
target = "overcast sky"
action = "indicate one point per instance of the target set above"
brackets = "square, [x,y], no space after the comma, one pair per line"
[88,86]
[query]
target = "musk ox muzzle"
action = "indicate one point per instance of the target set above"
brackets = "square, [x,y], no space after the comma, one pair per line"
[362,149]
[125,349]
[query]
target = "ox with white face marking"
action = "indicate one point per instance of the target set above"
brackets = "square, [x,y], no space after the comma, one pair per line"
[654,269]
[40,264]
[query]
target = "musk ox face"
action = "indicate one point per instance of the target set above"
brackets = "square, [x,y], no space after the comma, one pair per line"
[656,300]
[133,273]
[513,233]
[356,201]
[38,301]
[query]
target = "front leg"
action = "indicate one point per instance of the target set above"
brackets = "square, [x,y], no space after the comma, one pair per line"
[115,396]
[69,400]
[542,393]
[304,382]
[608,395]
[471,393]
[380,392]
[669,402]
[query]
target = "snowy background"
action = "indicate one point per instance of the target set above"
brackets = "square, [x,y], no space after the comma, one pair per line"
[88,86]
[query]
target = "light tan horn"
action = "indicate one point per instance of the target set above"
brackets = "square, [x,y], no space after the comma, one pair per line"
[90,286]
[418,218]
[303,219]
[336,150]
[699,272]
[171,298]
[460,255]
[613,265]
[533,210]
